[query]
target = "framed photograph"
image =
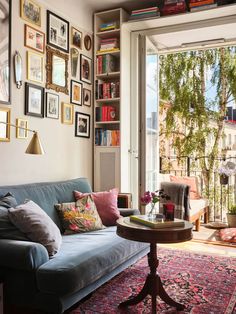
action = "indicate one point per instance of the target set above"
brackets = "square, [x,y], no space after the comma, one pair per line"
[76,93]
[34,100]
[82,124]
[87,97]
[67,113]
[5,116]
[85,69]
[52,105]
[76,38]
[31,12]
[88,42]
[57,32]
[5,51]
[34,67]
[21,133]
[34,39]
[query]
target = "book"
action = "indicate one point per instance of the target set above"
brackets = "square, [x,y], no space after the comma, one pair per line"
[199,3]
[203,7]
[156,224]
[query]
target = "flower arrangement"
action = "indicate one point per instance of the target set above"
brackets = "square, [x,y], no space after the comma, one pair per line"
[225,171]
[153,198]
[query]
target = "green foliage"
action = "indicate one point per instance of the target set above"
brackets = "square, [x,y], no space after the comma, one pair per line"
[232,210]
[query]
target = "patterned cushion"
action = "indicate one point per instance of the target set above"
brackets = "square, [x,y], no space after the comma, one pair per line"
[228,234]
[79,216]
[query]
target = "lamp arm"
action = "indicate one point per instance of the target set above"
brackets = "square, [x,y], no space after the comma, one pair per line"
[15,126]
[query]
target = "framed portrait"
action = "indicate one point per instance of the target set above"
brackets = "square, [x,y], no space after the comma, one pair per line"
[87,42]
[35,67]
[5,51]
[34,100]
[52,105]
[21,125]
[87,97]
[57,32]
[5,116]
[85,69]
[76,38]
[76,93]
[31,12]
[34,39]
[82,124]
[67,113]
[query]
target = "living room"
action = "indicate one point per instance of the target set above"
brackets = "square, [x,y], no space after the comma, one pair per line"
[53,152]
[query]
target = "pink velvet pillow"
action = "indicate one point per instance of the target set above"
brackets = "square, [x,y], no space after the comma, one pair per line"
[191,181]
[228,235]
[106,203]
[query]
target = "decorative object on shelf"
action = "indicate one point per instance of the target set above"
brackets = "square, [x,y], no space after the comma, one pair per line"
[57,32]
[21,128]
[5,118]
[67,113]
[153,198]
[5,55]
[86,97]
[231,216]
[34,39]
[225,171]
[76,93]
[52,105]
[31,12]
[76,38]
[87,42]
[57,70]
[18,69]
[74,57]
[85,69]
[82,125]
[173,7]
[35,66]
[34,100]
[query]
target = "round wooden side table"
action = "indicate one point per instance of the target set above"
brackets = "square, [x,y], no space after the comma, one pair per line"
[153,285]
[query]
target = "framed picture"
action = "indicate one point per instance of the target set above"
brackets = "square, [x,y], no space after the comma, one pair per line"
[34,100]
[82,124]
[67,113]
[85,69]
[57,32]
[52,105]
[88,42]
[76,93]
[21,133]
[34,39]
[76,38]
[5,116]
[5,51]
[87,97]
[34,67]
[31,12]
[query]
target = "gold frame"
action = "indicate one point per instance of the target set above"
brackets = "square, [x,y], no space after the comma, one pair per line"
[29,54]
[49,68]
[25,17]
[63,116]
[8,121]
[18,120]
[26,40]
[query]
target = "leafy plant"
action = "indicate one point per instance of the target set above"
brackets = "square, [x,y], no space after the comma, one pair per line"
[232,210]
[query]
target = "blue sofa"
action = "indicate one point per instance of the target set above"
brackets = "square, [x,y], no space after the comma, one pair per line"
[84,262]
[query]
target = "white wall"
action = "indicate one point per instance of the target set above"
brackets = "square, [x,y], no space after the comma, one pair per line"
[66,156]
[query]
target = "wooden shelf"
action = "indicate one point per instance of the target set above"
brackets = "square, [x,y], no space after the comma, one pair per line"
[108,75]
[102,146]
[114,53]
[106,100]
[107,122]
[107,34]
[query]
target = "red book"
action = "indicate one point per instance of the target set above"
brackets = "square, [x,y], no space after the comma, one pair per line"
[111,113]
[104,113]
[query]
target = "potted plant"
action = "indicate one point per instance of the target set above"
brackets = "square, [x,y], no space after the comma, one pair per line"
[231,216]
[225,172]
[153,198]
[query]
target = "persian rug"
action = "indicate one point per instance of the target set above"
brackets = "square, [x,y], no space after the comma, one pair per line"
[204,284]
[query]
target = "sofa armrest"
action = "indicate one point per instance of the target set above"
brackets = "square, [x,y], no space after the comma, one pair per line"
[22,255]
[128,212]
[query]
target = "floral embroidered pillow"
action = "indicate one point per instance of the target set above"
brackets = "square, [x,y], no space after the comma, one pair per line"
[79,216]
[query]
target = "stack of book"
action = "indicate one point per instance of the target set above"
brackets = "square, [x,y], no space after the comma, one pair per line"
[199,5]
[157,224]
[106,113]
[106,90]
[109,45]
[173,7]
[145,13]
[108,26]
[107,137]
[106,63]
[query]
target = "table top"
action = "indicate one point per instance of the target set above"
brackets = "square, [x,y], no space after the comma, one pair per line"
[137,232]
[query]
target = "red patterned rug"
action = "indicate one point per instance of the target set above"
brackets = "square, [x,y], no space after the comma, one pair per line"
[204,284]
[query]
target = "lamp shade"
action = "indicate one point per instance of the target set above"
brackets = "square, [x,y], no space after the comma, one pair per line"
[35,146]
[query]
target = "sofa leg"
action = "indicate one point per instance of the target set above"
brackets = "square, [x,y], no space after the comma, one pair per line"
[197,224]
[206,215]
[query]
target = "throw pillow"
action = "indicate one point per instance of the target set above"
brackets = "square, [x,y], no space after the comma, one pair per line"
[7,229]
[37,225]
[191,181]
[79,216]
[106,203]
[228,235]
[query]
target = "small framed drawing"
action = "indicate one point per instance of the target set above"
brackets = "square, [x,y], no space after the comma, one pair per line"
[87,97]
[57,32]
[34,100]
[21,125]
[76,38]
[52,105]
[82,124]
[85,69]
[31,12]
[67,113]
[88,42]
[34,39]
[5,117]
[76,93]
[34,67]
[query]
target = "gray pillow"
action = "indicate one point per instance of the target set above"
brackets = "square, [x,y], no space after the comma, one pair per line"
[7,229]
[37,225]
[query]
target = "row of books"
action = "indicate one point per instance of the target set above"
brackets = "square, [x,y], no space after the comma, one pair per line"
[107,137]
[106,63]
[145,13]
[106,113]
[109,26]
[106,90]
[198,5]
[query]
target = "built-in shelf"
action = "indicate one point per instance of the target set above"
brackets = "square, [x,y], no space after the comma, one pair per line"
[107,122]
[107,100]
[114,53]
[102,146]
[108,34]
[108,75]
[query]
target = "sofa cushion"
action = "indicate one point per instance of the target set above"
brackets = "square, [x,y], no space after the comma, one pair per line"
[228,235]
[191,181]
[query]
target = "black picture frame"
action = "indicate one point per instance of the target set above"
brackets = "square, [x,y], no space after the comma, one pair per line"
[5,56]
[82,125]
[34,100]
[53,33]
[85,69]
